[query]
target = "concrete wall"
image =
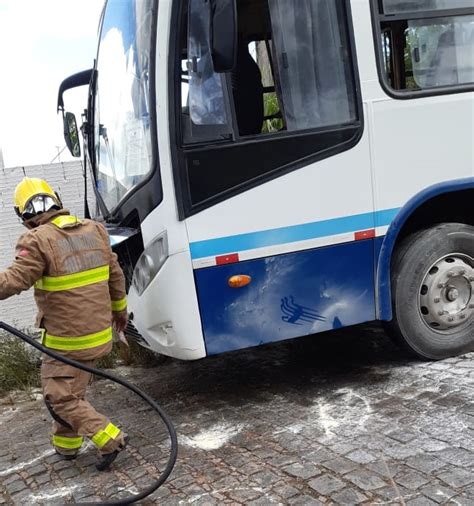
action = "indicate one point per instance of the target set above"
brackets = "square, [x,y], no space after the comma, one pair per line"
[67,179]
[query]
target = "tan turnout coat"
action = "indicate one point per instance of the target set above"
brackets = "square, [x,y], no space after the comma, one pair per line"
[55,259]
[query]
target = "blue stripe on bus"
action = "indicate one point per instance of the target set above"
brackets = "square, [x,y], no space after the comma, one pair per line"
[294,233]
[384,218]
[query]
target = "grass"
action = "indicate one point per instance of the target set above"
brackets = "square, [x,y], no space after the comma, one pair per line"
[133,355]
[271,106]
[20,367]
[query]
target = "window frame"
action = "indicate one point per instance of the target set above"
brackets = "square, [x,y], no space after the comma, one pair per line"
[186,207]
[378,18]
[144,197]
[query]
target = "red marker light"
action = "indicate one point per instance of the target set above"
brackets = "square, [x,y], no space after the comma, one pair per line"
[227,259]
[365,234]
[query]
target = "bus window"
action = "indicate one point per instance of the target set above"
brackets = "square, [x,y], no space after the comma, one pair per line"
[205,106]
[123,136]
[387,57]
[273,120]
[311,62]
[441,51]
[402,6]
[292,94]
[428,51]
[206,96]
[292,66]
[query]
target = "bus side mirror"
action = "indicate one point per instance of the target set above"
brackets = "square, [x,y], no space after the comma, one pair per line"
[71,134]
[224,35]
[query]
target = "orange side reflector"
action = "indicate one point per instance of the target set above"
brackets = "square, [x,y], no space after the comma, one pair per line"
[239,281]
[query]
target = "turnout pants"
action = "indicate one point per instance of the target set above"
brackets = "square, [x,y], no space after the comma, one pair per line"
[64,390]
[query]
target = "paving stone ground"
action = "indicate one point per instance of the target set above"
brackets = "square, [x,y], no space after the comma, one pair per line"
[338,418]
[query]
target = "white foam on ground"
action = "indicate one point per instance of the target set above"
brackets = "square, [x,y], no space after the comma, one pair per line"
[213,438]
[350,408]
[8,413]
[210,495]
[356,410]
[325,419]
[292,429]
[131,490]
[22,465]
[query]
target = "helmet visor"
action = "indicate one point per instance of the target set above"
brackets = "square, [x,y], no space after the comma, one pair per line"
[39,204]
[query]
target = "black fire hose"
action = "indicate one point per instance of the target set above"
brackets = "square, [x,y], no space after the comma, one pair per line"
[172,432]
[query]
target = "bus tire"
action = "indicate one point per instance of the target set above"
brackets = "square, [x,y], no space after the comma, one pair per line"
[433,292]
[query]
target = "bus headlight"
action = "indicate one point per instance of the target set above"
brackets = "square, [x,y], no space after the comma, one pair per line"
[150,262]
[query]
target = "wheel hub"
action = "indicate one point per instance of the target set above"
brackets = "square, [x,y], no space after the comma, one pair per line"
[452,294]
[447,293]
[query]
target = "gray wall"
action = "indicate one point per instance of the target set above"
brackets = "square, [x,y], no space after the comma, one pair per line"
[66,178]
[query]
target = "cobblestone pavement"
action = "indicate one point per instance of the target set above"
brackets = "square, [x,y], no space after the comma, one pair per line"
[340,418]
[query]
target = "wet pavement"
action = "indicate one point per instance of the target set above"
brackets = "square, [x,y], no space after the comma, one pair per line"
[338,418]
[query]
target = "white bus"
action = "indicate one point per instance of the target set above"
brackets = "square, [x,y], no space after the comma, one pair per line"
[281,168]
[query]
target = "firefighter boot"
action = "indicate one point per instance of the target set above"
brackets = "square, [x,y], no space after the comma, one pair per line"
[67,456]
[106,459]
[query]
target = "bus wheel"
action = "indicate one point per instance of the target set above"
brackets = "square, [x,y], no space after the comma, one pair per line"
[433,292]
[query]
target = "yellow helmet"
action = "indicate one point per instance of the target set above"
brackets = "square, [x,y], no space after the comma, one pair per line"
[30,188]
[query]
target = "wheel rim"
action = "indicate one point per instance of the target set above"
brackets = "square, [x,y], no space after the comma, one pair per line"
[447,293]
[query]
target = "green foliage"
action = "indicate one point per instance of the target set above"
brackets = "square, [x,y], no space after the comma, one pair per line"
[110,360]
[134,355]
[271,106]
[19,367]
[141,357]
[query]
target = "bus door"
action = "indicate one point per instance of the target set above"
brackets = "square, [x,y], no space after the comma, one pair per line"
[273,170]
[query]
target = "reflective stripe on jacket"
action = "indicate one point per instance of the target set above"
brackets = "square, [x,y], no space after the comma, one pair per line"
[78,283]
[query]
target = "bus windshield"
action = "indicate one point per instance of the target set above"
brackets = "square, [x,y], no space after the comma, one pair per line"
[123,138]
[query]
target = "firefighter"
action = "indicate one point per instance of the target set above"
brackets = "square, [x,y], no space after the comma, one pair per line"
[80,294]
